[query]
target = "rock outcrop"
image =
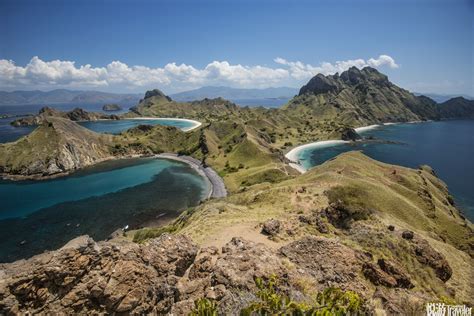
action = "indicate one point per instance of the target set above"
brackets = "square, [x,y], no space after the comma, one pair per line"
[85,276]
[156,93]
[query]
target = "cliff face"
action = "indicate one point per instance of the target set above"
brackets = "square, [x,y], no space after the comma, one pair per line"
[58,145]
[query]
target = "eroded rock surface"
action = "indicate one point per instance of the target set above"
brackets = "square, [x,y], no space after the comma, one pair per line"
[169,273]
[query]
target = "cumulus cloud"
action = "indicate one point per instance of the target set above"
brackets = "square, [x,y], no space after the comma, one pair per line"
[299,70]
[58,73]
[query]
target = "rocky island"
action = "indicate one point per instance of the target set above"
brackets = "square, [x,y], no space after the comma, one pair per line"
[111,107]
[350,230]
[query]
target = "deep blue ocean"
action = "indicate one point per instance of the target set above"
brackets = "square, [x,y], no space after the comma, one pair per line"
[446,146]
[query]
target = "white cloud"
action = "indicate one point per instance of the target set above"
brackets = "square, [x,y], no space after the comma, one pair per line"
[300,71]
[118,75]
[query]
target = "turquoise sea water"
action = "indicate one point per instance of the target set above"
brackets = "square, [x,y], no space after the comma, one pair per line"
[9,133]
[40,215]
[447,146]
[115,127]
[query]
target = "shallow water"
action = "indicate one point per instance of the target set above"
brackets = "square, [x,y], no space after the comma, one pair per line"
[9,133]
[447,146]
[40,215]
[116,127]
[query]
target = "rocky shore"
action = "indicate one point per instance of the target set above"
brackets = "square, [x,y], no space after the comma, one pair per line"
[217,186]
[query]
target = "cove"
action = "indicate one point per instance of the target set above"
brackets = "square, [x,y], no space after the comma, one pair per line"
[447,146]
[118,126]
[41,215]
[10,133]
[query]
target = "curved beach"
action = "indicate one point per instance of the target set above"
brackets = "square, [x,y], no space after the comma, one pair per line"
[216,184]
[195,123]
[293,155]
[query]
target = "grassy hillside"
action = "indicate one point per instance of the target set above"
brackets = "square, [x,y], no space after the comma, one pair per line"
[57,145]
[369,197]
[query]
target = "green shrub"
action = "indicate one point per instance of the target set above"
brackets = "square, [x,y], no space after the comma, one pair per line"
[204,307]
[347,203]
[332,301]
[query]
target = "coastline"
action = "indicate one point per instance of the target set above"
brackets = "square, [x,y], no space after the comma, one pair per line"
[216,184]
[195,123]
[293,154]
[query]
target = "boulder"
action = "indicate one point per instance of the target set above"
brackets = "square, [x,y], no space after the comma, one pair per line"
[271,227]
[349,134]
[425,254]
[408,235]
[328,261]
[386,273]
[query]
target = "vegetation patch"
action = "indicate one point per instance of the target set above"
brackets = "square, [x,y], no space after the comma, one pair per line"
[347,204]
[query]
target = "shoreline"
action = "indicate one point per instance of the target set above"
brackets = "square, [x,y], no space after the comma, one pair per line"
[195,123]
[216,183]
[293,154]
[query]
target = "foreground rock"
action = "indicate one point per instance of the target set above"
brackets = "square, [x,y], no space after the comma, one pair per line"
[86,276]
[169,273]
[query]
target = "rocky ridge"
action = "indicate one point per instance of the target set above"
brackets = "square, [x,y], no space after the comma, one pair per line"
[167,274]
[366,96]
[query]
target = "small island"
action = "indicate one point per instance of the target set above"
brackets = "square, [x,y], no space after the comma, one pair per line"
[111,107]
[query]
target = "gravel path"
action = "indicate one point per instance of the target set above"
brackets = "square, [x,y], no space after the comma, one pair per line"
[218,189]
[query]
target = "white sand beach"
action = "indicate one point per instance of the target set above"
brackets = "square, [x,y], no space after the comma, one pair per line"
[294,153]
[196,124]
[366,128]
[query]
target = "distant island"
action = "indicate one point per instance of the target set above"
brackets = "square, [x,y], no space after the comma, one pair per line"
[111,107]
[59,96]
[233,94]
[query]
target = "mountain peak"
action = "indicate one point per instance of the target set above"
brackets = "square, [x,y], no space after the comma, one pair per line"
[156,93]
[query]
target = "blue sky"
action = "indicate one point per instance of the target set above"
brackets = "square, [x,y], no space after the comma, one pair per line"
[174,43]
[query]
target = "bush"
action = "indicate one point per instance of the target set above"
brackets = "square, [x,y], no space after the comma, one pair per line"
[332,301]
[347,203]
[204,307]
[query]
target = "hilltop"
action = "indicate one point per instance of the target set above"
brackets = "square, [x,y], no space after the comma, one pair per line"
[366,96]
